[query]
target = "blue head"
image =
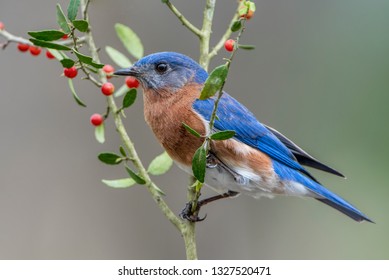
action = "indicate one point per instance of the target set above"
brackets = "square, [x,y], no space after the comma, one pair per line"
[165,70]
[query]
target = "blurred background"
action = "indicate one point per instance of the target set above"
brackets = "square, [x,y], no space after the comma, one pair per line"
[319,74]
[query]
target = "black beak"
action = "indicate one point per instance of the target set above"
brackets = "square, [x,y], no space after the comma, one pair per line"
[132,71]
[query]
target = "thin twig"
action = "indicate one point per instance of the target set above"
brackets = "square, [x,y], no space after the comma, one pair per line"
[17,39]
[70,42]
[228,64]
[82,65]
[13,39]
[183,20]
[207,143]
[129,145]
[225,36]
[85,13]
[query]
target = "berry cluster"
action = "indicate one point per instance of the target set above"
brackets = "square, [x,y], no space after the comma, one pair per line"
[34,50]
[108,89]
[246,12]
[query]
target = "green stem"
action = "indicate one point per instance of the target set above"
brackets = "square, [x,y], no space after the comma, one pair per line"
[228,64]
[183,20]
[12,39]
[225,36]
[207,143]
[206,31]
[205,57]
[193,194]
[129,145]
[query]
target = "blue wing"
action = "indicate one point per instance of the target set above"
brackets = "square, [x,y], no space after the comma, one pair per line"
[234,116]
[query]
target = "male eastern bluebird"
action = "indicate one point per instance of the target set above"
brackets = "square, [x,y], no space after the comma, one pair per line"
[258,160]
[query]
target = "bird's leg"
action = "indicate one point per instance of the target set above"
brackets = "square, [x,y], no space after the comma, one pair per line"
[212,162]
[216,197]
[192,216]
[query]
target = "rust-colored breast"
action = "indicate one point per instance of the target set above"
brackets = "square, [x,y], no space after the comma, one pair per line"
[166,111]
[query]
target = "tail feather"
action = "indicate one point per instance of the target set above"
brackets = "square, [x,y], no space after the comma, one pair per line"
[359,217]
[319,192]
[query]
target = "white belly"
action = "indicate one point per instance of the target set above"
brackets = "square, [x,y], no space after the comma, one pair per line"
[249,183]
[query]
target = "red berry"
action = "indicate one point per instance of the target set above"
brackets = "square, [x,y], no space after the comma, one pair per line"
[23,47]
[107,89]
[229,45]
[249,14]
[96,119]
[108,69]
[49,55]
[70,72]
[132,82]
[64,37]
[1,26]
[35,50]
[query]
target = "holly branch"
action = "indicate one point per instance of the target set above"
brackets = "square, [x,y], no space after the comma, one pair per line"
[73,45]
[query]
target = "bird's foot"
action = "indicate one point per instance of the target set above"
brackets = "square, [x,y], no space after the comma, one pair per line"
[192,216]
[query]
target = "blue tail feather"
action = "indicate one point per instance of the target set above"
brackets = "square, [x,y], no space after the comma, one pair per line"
[325,196]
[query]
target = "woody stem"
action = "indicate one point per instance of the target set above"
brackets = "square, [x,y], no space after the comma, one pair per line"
[129,145]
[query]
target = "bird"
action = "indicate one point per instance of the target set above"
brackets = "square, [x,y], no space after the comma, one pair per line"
[258,161]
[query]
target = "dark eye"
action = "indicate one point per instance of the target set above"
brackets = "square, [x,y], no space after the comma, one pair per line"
[161,67]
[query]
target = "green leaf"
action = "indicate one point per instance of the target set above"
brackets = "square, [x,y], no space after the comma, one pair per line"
[245,7]
[119,183]
[246,47]
[191,130]
[110,158]
[81,25]
[49,45]
[67,62]
[61,20]
[214,82]
[236,26]
[199,164]
[73,9]
[122,151]
[57,54]
[122,90]
[129,98]
[99,133]
[120,59]
[161,192]
[223,135]
[130,40]
[78,100]
[87,60]
[135,176]
[252,6]
[160,165]
[46,35]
